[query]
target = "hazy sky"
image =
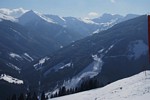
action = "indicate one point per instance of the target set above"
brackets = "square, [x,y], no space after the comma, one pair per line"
[81,8]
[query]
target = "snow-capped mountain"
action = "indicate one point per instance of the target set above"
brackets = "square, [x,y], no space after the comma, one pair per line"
[7,17]
[33,16]
[86,26]
[105,18]
[108,20]
[44,51]
[83,27]
[48,29]
[136,87]
[13,12]
[118,52]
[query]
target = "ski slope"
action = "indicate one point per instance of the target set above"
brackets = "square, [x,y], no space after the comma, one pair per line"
[136,87]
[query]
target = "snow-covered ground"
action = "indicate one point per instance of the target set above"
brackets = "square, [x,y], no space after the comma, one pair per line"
[10,79]
[136,87]
[90,71]
[38,65]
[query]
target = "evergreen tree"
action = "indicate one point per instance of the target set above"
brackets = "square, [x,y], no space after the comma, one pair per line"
[52,96]
[62,91]
[21,97]
[29,97]
[34,96]
[14,97]
[9,98]
[56,94]
[43,96]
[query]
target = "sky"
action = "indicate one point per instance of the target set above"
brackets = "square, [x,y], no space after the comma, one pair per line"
[80,8]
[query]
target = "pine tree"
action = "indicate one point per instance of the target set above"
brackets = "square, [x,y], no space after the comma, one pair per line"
[21,97]
[9,98]
[56,94]
[52,96]
[29,97]
[34,96]
[43,96]
[14,97]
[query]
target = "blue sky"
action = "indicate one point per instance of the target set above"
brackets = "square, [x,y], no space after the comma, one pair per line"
[80,8]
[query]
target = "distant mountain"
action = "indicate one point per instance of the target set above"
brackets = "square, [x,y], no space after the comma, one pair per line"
[135,87]
[80,26]
[108,20]
[13,12]
[7,17]
[129,16]
[105,18]
[38,49]
[118,52]
[47,29]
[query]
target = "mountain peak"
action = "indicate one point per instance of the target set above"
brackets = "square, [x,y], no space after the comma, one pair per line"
[28,16]
[33,16]
[30,12]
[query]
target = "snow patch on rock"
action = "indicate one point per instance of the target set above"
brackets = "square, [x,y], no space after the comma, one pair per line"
[28,57]
[16,56]
[14,67]
[96,31]
[39,65]
[88,21]
[66,65]
[10,79]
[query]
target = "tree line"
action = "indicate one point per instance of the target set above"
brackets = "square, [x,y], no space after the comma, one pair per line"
[28,96]
[85,85]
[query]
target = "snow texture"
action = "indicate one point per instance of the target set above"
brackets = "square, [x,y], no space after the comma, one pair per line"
[100,51]
[62,18]
[109,48]
[136,87]
[44,17]
[90,71]
[97,31]
[10,79]
[16,56]
[65,66]
[28,57]
[13,12]
[18,33]
[110,24]
[88,21]
[14,67]
[7,17]
[61,46]
[38,66]
[58,67]
[137,49]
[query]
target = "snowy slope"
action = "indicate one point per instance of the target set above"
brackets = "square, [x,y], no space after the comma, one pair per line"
[136,87]
[13,12]
[7,17]
[10,79]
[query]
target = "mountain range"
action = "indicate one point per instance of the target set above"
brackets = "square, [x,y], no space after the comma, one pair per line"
[48,51]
